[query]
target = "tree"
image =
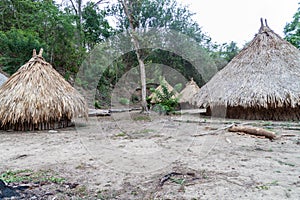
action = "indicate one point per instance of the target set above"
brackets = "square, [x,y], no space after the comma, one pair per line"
[165,15]
[16,49]
[128,9]
[43,22]
[292,30]
[224,53]
[78,9]
[95,27]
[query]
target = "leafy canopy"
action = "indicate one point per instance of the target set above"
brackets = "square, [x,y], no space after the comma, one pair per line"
[292,30]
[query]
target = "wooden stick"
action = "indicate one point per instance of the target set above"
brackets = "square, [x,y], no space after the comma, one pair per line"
[253,131]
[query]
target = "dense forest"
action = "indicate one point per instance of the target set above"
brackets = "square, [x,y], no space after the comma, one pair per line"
[69,30]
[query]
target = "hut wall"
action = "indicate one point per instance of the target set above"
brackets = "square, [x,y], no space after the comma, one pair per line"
[186,106]
[276,114]
[28,126]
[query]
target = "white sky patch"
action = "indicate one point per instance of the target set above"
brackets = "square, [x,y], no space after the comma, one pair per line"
[239,20]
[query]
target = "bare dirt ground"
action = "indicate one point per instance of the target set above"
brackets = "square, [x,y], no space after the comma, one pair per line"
[130,156]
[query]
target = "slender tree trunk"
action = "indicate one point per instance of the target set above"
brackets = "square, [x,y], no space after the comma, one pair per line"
[77,7]
[137,47]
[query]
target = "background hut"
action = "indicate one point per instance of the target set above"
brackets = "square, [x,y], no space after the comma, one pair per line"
[186,95]
[37,97]
[261,82]
[153,96]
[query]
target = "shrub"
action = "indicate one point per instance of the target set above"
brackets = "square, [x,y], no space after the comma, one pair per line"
[167,103]
[124,101]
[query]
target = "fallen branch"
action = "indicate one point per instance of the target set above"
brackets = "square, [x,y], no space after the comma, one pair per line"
[253,131]
[292,128]
[213,132]
[288,135]
[167,177]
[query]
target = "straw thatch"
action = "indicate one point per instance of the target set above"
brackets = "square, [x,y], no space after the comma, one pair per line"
[261,82]
[153,96]
[37,97]
[188,92]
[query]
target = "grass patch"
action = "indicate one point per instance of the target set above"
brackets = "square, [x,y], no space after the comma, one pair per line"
[27,175]
[121,134]
[267,185]
[179,181]
[141,118]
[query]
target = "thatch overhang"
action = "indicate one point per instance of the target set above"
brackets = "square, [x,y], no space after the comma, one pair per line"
[186,95]
[261,82]
[37,97]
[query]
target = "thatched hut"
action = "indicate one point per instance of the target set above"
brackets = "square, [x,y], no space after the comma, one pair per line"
[153,96]
[37,97]
[261,82]
[186,95]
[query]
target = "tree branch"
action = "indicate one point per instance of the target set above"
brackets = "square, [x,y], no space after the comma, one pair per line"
[100,1]
[74,7]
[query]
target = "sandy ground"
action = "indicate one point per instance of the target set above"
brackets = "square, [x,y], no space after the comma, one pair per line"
[128,156]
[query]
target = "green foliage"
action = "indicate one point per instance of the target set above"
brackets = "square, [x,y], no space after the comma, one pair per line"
[292,30]
[124,101]
[16,48]
[13,176]
[166,100]
[95,27]
[26,175]
[97,104]
[267,185]
[33,24]
[178,87]
[224,53]
[179,181]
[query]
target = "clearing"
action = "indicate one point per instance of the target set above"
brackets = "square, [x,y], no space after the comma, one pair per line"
[132,156]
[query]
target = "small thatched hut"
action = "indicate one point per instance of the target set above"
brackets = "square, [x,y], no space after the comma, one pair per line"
[153,96]
[37,97]
[261,82]
[186,95]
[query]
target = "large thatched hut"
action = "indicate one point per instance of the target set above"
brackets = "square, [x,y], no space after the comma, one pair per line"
[261,82]
[37,97]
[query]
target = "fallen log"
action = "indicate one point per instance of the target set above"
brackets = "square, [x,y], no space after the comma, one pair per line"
[98,112]
[253,131]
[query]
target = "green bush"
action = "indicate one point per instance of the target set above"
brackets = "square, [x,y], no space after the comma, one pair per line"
[124,101]
[97,104]
[167,103]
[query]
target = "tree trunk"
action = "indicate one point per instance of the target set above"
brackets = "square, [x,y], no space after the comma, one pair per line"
[137,47]
[77,7]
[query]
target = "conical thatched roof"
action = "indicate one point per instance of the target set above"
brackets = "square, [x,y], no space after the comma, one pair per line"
[261,82]
[37,97]
[153,96]
[188,92]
